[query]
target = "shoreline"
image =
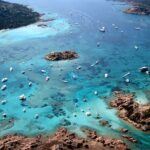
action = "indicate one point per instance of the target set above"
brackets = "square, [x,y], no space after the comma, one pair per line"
[96,77]
[15,15]
[131,111]
[138,7]
[64,140]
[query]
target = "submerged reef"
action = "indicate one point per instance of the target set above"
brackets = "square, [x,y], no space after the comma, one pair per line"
[62,140]
[66,55]
[131,111]
[15,15]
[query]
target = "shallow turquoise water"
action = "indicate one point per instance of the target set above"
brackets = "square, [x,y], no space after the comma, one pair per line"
[75,27]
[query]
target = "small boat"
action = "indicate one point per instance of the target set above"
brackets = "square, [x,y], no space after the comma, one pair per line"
[43,71]
[11,69]
[88,113]
[95,92]
[127,80]
[74,76]
[137,28]
[65,81]
[136,47]
[95,63]
[4,115]
[47,78]
[30,84]
[3,87]
[36,116]
[79,67]
[92,65]
[22,97]
[106,75]
[4,80]
[102,29]
[144,69]
[125,75]
[147,72]
[24,110]
[3,102]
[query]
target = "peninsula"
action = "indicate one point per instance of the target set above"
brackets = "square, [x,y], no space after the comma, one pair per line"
[15,15]
[139,7]
[131,111]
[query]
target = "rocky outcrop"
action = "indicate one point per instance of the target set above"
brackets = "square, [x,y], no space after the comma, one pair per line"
[138,11]
[15,15]
[123,130]
[66,55]
[131,111]
[104,122]
[129,138]
[106,142]
[61,140]
[139,7]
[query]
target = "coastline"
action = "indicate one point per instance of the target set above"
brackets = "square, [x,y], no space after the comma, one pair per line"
[138,7]
[131,111]
[16,15]
[63,140]
[74,81]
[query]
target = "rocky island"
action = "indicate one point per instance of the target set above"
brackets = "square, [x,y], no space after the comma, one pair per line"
[15,15]
[62,140]
[131,111]
[139,7]
[66,55]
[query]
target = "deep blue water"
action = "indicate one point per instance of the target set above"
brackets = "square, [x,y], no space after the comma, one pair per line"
[75,27]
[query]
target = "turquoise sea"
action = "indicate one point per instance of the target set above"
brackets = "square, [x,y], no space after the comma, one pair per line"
[61,100]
